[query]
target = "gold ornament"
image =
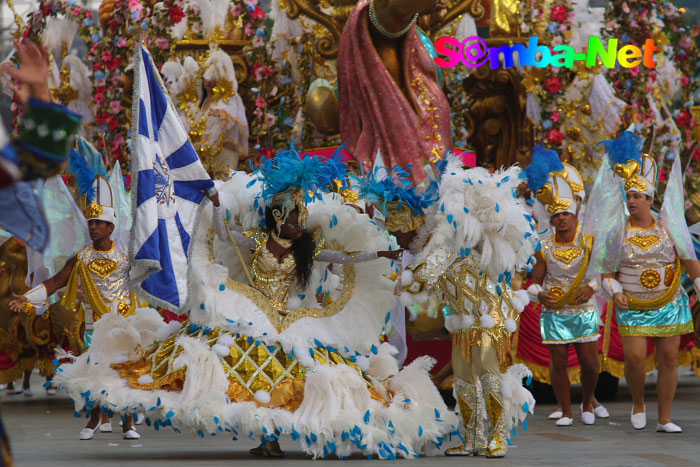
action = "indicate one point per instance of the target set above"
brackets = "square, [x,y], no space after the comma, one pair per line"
[402,220]
[322,108]
[103,267]
[629,171]
[93,210]
[669,276]
[546,194]
[644,241]
[650,279]
[558,205]
[223,90]
[566,255]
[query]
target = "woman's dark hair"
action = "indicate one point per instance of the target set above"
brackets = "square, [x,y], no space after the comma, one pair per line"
[303,250]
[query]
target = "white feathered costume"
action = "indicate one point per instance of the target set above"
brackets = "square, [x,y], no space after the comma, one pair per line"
[301,378]
[479,235]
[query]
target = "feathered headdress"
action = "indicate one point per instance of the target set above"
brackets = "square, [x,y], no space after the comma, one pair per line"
[290,181]
[627,161]
[93,186]
[393,192]
[543,163]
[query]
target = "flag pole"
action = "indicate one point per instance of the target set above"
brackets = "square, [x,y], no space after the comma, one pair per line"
[240,255]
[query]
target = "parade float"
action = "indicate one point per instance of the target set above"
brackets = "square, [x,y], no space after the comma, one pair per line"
[249,76]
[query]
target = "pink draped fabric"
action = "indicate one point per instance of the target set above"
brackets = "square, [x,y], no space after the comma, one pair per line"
[376,115]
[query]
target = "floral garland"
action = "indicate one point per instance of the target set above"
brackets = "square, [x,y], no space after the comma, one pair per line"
[552,24]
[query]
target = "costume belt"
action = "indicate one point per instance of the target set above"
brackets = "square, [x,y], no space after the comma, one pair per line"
[666,278]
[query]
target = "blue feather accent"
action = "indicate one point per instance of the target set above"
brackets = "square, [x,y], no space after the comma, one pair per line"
[544,161]
[380,187]
[627,146]
[289,170]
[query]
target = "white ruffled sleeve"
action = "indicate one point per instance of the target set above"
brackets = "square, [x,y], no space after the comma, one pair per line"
[222,233]
[339,257]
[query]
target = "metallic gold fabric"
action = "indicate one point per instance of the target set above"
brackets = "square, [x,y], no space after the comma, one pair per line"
[493,396]
[250,366]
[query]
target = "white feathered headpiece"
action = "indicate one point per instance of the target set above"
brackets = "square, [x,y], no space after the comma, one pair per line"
[213,14]
[479,211]
[60,32]
[219,66]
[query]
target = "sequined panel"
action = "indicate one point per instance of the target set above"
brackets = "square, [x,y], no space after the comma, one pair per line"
[564,261]
[250,366]
[109,271]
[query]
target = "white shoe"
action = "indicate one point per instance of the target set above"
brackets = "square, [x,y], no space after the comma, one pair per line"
[106,427]
[51,392]
[557,414]
[87,433]
[668,428]
[28,392]
[588,418]
[601,412]
[139,418]
[565,421]
[132,434]
[639,420]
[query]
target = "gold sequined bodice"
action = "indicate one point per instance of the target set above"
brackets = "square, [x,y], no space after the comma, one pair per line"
[272,278]
[564,261]
[109,271]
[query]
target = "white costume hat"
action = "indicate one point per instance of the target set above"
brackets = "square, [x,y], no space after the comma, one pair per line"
[573,176]
[560,198]
[102,205]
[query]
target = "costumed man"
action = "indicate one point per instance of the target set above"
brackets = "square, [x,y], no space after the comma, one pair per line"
[642,258]
[390,98]
[545,165]
[96,281]
[560,282]
[477,238]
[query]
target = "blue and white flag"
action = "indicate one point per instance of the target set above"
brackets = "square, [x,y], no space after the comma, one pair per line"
[169,186]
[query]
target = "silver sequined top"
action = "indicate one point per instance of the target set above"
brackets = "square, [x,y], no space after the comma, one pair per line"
[647,266]
[564,261]
[109,271]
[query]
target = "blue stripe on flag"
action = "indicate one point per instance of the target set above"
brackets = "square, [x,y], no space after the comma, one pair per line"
[146,186]
[183,233]
[143,121]
[192,190]
[182,157]
[159,104]
[160,284]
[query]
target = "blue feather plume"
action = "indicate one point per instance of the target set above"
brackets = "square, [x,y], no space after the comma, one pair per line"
[289,170]
[380,187]
[543,162]
[626,147]
[83,171]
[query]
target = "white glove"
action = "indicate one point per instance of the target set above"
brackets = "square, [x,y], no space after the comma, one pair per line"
[696,285]
[611,287]
[37,296]
[534,292]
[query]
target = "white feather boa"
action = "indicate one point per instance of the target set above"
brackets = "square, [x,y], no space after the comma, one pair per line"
[338,414]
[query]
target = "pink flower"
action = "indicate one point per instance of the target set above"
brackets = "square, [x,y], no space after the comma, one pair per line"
[559,13]
[555,136]
[258,112]
[625,8]
[121,42]
[258,41]
[684,81]
[162,43]
[115,106]
[117,142]
[249,29]
[250,2]
[116,79]
[260,103]
[237,10]
[553,84]
[634,71]
[555,117]
[135,5]
[685,43]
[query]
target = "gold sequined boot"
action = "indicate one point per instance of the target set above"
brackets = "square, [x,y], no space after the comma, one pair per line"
[468,399]
[493,396]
